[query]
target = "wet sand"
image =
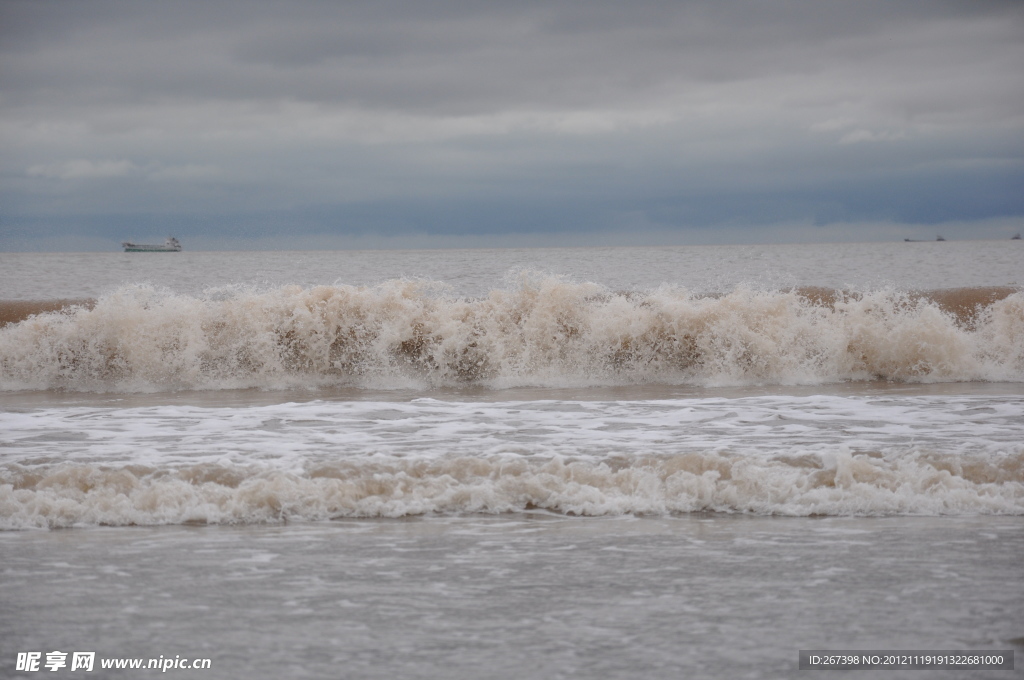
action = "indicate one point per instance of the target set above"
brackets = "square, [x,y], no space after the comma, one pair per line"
[14,311]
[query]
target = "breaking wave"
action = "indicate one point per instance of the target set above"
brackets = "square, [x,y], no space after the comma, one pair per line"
[542,331]
[838,483]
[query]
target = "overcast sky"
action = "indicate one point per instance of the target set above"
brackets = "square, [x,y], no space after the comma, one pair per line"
[416,123]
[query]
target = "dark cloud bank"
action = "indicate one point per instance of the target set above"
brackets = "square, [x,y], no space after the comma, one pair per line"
[321,124]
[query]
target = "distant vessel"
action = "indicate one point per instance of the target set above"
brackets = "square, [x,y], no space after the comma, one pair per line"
[171,245]
[1015,237]
[915,240]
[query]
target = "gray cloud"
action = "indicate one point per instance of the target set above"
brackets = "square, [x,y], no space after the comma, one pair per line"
[465,59]
[677,114]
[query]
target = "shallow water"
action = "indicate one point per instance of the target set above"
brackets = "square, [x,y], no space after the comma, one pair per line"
[520,595]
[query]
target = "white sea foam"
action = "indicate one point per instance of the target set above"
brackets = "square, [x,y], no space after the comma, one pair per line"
[318,460]
[542,331]
[834,483]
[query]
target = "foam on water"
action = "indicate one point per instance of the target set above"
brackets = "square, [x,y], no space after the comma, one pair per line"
[542,331]
[821,455]
[837,483]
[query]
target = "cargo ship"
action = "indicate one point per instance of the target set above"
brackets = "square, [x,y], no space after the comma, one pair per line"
[171,245]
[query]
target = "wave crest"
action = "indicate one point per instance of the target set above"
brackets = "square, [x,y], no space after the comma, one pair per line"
[544,331]
[836,483]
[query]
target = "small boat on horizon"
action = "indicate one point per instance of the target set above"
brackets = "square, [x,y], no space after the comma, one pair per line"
[1015,237]
[171,245]
[917,240]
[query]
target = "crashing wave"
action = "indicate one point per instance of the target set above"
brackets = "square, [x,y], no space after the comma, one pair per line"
[545,331]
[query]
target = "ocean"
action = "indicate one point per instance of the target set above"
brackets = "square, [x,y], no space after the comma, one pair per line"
[559,463]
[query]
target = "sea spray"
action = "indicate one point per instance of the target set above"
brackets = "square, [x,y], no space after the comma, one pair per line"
[543,331]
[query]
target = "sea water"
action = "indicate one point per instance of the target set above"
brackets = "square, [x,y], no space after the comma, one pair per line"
[634,462]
